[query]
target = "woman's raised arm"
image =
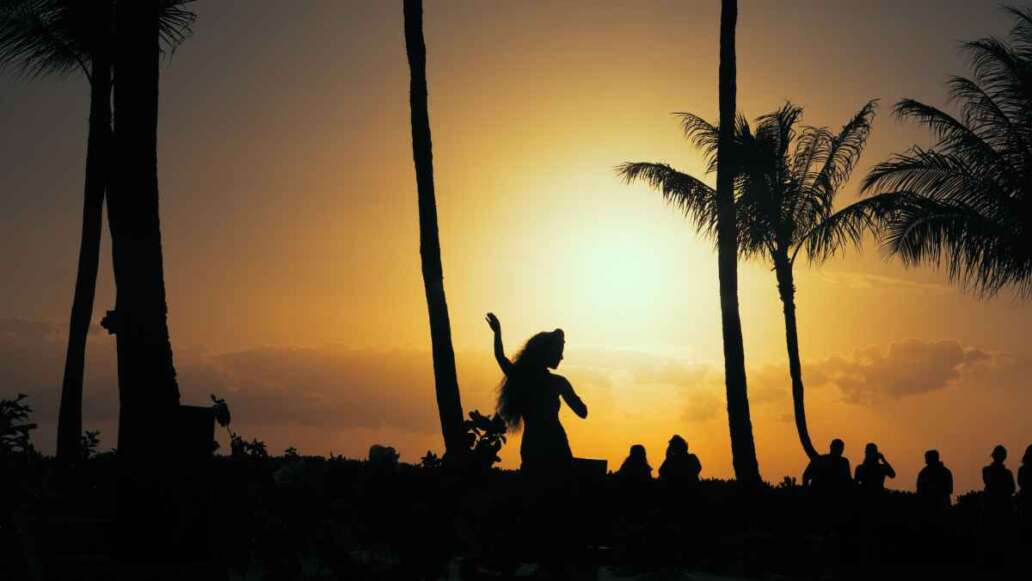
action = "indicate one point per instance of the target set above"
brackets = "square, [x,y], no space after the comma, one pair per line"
[499,351]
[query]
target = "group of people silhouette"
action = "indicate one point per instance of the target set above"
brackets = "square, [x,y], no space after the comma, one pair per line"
[829,474]
[530,398]
[680,468]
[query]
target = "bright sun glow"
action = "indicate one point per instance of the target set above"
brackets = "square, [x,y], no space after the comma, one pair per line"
[621,271]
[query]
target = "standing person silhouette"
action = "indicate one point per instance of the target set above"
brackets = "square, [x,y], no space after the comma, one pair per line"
[934,484]
[529,397]
[999,481]
[871,473]
[828,475]
[1024,497]
[998,518]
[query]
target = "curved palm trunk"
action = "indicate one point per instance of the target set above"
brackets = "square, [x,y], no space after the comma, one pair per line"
[743,449]
[786,290]
[449,404]
[69,421]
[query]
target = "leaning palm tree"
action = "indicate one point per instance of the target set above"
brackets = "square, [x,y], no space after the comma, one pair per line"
[60,37]
[449,405]
[966,202]
[786,181]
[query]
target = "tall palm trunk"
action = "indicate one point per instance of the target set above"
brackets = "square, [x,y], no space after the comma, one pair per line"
[743,449]
[449,404]
[148,392]
[69,421]
[786,290]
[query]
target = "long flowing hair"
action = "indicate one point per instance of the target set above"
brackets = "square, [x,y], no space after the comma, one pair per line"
[519,387]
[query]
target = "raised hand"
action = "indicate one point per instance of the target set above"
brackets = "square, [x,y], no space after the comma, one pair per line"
[494,323]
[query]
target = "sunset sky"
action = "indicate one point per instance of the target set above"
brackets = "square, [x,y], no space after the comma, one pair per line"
[291,239]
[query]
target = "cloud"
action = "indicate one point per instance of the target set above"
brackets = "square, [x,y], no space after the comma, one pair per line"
[331,388]
[876,282]
[906,368]
[334,397]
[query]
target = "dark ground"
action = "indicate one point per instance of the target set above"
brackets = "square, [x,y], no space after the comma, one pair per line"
[292,517]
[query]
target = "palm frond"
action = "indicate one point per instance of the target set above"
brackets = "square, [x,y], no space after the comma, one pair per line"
[175,24]
[846,227]
[35,39]
[964,203]
[688,194]
[844,150]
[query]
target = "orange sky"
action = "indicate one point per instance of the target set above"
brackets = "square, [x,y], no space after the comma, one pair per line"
[291,243]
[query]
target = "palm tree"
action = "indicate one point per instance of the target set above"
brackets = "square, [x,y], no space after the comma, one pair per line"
[743,449]
[40,37]
[786,181]
[966,200]
[449,404]
[148,392]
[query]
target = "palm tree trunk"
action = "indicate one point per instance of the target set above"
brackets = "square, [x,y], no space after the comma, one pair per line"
[743,449]
[69,421]
[148,393]
[147,386]
[449,404]
[786,289]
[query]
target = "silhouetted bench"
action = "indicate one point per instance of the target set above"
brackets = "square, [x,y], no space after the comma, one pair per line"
[589,470]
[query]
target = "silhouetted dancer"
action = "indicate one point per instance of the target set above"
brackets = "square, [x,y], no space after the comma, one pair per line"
[680,469]
[997,508]
[934,484]
[635,470]
[529,398]
[872,472]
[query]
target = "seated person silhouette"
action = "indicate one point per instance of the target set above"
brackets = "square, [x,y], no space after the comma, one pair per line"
[680,469]
[871,473]
[829,474]
[529,397]
[635,469]
[934,483]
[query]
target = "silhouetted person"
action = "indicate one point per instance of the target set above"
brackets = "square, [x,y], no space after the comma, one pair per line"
[872,472]
[934,483]
[1024,499]
[997,508]
[680,469]
[530,398]
[999,481]
[829,474]
[635,469]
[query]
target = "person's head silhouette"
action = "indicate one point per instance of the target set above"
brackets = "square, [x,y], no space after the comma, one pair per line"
[637,452]
[999,454]
[871,452]
[522,384]
[932,457]
[676,446]
[837,447]
[1027,458]
[542,350]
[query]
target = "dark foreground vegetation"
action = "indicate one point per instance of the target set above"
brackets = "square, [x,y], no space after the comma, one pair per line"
[256,516]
